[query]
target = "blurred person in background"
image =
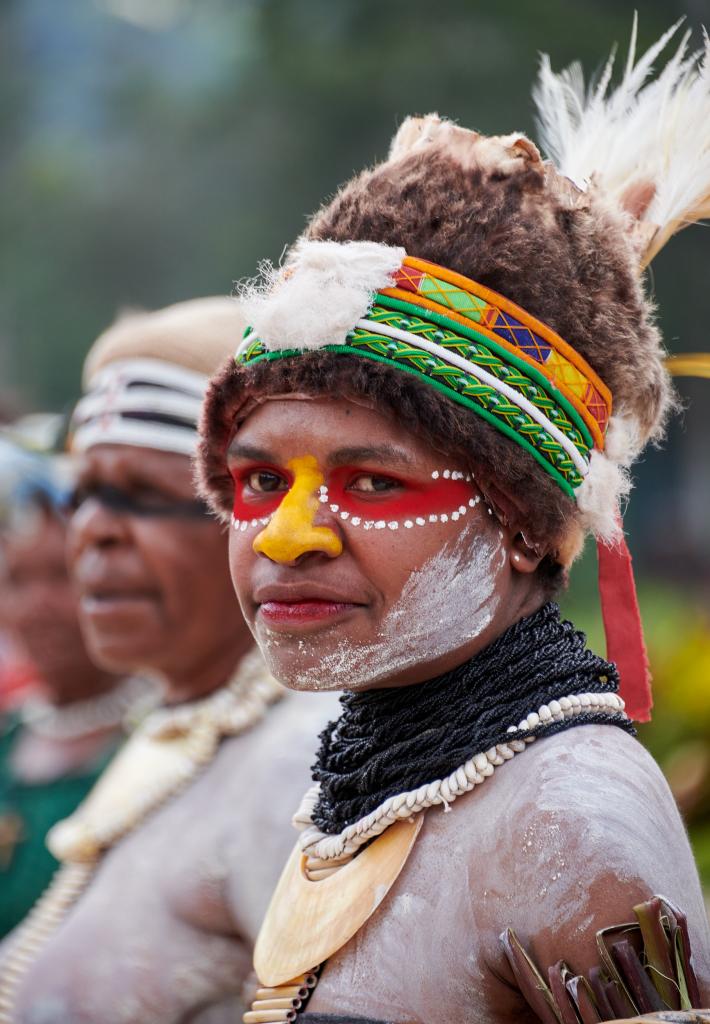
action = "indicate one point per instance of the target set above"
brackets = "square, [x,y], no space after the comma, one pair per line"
[17,674]
[169,864]
[59,735]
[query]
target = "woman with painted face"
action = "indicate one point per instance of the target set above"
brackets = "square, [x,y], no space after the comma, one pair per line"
[58,740]
[168,865]
[439,395]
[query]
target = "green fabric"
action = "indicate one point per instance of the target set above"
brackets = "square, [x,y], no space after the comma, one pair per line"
[26,867]
[505,355]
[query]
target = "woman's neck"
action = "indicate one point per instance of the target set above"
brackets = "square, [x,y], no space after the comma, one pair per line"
[207,673]
[392,741]
[81,683]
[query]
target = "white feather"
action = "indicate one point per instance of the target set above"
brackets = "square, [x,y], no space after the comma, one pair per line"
[607,484]
[645,131]
[321,292]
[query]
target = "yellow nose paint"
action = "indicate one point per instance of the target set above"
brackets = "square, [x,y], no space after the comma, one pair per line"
[291,531]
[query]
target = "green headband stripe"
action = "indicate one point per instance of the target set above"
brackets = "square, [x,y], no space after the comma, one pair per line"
[503,365]
[460,382]
[543,450]
[456,330]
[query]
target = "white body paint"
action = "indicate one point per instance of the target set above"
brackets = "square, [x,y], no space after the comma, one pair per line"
[561,841]
[444,605]
[163,934]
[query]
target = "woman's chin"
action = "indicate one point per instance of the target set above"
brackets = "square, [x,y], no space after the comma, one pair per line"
[317,663]
[304,667]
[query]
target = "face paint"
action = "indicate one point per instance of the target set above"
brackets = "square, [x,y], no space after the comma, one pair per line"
[448,496]
[291,531]
[406,504]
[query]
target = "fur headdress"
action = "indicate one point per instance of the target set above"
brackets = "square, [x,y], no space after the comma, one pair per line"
[509,283]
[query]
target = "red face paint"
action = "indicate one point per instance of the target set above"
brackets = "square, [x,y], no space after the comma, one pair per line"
[359,495]
[252,503]
[405,499]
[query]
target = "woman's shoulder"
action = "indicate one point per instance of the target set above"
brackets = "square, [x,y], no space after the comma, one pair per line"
[585,806]
[569,836]
[595,775]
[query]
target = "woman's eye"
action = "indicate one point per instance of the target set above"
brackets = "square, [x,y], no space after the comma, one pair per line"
[368,483]
[78,496]
[263,482]
[149,496]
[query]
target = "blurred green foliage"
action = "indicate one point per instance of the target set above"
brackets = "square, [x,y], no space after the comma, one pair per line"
[144,162]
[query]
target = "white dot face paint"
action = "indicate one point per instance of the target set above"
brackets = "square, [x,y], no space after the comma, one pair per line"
[405,518]
[444,605]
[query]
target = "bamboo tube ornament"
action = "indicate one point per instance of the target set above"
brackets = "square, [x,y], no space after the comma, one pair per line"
[276,1004]
[285,992]
[268,1016]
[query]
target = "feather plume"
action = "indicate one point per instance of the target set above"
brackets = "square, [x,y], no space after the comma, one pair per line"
[691,364]
[644,143]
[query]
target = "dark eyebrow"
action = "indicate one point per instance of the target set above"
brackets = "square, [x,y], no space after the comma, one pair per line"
[354,454]
[251,453]
[384,453]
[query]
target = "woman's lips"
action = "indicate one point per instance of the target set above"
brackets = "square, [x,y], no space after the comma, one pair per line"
[304,612]
[109,604]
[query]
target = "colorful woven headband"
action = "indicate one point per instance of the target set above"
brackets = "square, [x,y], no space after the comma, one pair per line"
[485,353]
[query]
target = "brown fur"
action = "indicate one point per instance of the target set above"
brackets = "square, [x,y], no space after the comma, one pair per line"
[572,268]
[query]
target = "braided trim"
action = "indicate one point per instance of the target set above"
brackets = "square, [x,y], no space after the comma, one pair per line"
[500,303]
[484,352]
[513,396]
[558,371]
[472,773]
[508,354]
[478,397]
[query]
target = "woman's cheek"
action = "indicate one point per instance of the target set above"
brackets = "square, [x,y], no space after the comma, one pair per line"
[389,558]
[241,562]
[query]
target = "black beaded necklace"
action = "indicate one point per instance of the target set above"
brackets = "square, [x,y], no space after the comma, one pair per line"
[392,740]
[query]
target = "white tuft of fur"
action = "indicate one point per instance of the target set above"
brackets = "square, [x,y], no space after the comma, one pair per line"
[319,294]
[503,155]
[608,483]
[645,143]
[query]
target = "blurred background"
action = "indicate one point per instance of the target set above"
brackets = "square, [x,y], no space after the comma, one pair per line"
[155,150]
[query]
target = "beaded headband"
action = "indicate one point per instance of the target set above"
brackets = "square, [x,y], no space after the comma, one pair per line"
[485,353]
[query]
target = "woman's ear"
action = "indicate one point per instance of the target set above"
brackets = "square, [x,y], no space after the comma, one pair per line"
[524,557]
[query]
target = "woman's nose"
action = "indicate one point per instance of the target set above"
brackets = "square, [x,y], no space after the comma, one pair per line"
[95,525]
[292,531]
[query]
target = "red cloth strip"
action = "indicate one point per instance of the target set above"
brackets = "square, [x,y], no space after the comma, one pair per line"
[625,644]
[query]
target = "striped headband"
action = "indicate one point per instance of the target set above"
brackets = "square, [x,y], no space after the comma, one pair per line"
[471,344]
[148,403]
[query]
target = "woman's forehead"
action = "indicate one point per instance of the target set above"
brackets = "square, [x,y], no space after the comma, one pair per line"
[337,431]
[121,464]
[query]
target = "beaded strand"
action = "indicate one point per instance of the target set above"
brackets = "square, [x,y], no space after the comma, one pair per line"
[330,848]
[80,840]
